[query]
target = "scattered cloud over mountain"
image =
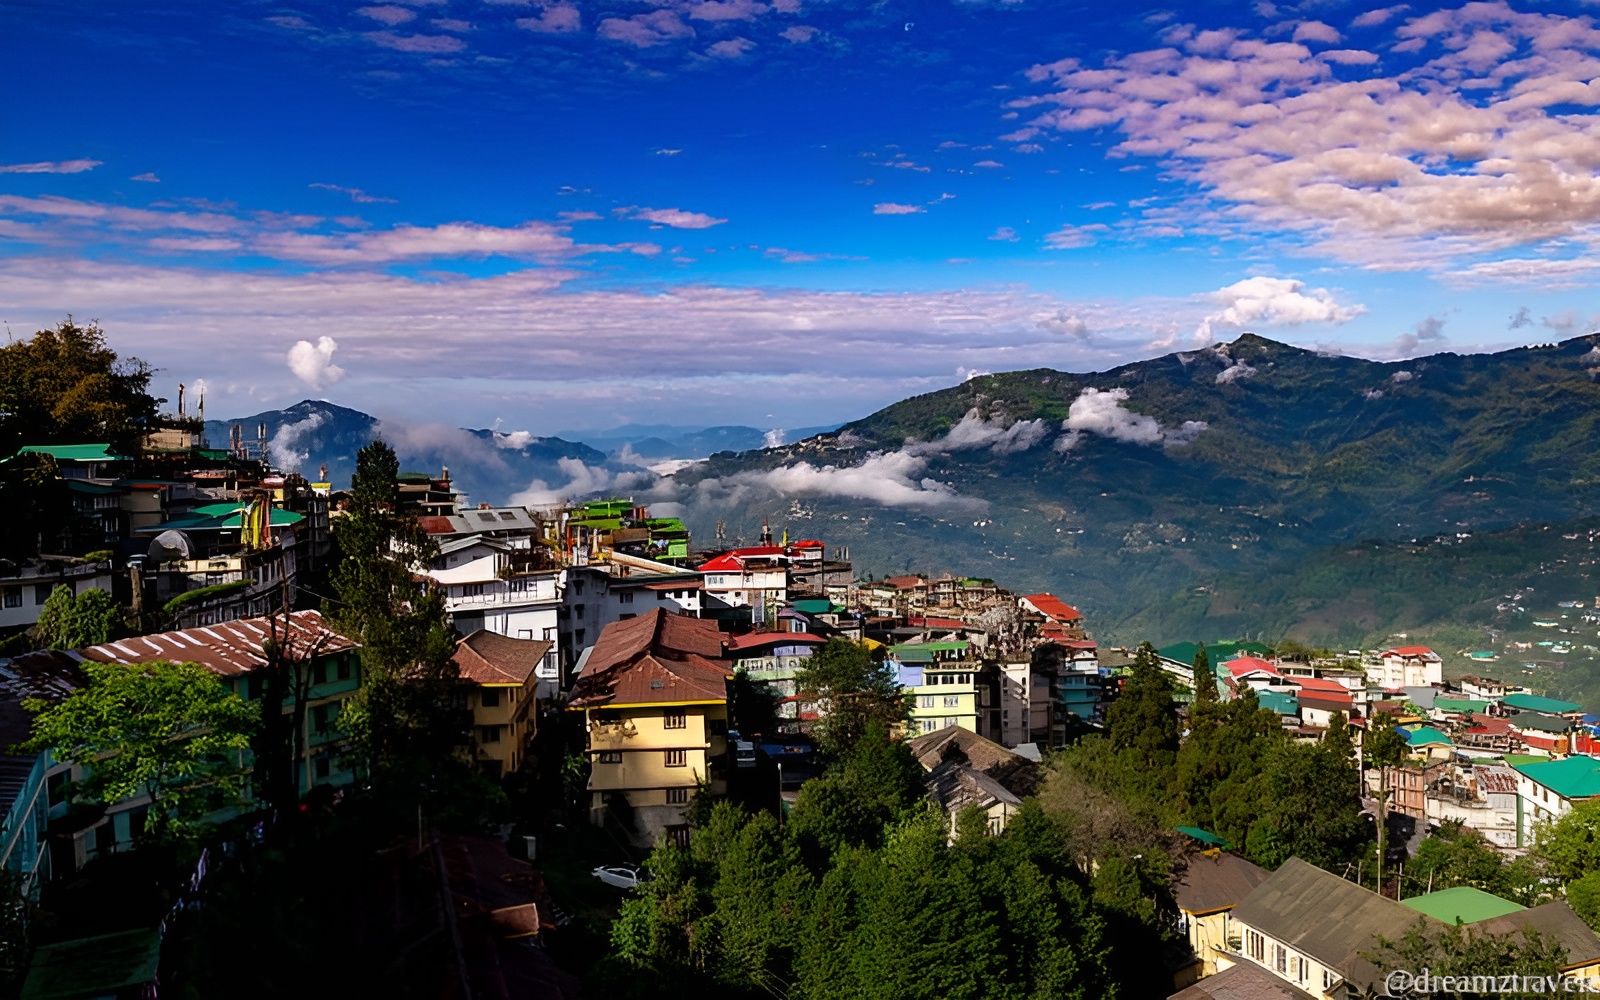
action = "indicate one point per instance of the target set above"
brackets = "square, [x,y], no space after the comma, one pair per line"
[1273,302]
[1429,331]
[582,480]
[313,363]
[973,431]
[893,479]
[1101,412]
[287,446]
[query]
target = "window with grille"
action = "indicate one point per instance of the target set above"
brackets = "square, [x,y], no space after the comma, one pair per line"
[1280,958]
[675,718]
[677,758]
[677,796]
[625,597]
[608,757]
[952,701]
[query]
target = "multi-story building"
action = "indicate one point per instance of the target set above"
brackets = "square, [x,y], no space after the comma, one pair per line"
[239,554]
[756,578]
[1405,666]
[941,685]
[774,659]
[500,676]
[25,588]
[615,587]
[653,692]
[328,662]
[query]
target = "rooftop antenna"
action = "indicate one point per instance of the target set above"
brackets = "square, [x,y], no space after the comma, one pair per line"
[261,439]
[201,408]
[180,400]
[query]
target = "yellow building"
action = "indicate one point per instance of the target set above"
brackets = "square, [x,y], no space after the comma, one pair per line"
[499,674]
[654,695]
[1211,886]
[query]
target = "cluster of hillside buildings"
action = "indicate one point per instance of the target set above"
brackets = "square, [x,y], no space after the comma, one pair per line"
[602,609]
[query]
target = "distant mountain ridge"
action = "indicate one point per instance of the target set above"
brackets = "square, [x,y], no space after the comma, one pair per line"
[1127,489]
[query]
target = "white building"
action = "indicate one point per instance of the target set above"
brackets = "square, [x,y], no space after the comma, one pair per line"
[510,590]
[24,589]
[1549,788]
[754,577]
[617,589]
[1406,666]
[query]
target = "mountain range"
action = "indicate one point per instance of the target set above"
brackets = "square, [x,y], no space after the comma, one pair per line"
[1242,488]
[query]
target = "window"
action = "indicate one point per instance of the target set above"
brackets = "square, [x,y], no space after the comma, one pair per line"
[489,734]
[489,697]
[677,796]
[13,597]
[952,701]
[472,590]
[1254,945]
[677,758]
[719,727]
[577,588]
[41,593]
[578,610]
[319,672]
[608,757]
[675,718]
[55,788]
[662,595]
[1327,980]
[679,835]
[1280,958]
[925,701]
[578,636]
[623,618]
[342,668]
[319,718]
[323,766]
[928,725]
[625,597]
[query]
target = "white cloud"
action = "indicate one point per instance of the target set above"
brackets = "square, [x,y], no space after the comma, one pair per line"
[893,479]
[582,481]
[1234,373]
[1067,324]
[1072,237]
[798,33]
[355,194]
[645,30]
[773,438]
[1402,376]
[146,178]
[1274,302]
[1428,331]
[513,440]
[285,446]
[313,363]
[892,208]
[974,432]
[554,20]
[1100,412]
[50,167]
[1467,149]
[387,14]
[677,218]
[730,48]
[1005,234]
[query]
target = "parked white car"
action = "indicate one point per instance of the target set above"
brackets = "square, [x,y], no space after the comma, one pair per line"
[621,876]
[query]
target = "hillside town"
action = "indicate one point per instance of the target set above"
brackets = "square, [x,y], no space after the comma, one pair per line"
[213,669]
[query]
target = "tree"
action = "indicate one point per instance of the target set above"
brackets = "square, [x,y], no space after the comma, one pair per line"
[1383,748]
[1205,682]
[170,731]
[1570,846]
[1459,856]
[853,691]
[1453,951]
[1144,716]
[877,784]
[65,385]
[752,707]
[408,723]
[89,619]
[1338,740]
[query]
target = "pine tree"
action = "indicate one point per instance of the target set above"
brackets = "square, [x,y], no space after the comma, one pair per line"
[1205,681]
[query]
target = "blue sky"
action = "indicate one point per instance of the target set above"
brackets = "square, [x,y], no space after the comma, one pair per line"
[558,214]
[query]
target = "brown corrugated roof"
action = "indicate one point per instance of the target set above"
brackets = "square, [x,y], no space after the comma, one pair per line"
[1554,920]
[1015,772]
[1244,981]
[487,658]
[1322,915]
[656,657]
[1217,882]
[229,649]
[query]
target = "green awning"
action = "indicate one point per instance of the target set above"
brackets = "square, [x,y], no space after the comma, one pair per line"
[1205,837]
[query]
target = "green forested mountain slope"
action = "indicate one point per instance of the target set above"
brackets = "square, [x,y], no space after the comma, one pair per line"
[1302,453]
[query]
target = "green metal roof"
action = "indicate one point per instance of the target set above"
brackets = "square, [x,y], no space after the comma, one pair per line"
[74,452]
[94,489]
[1534,703]
[224,516]
[815,606]
[1518,759]
[1462,905]
[1541,722]
[1460,705]
[1217,652]
[911,654]
[1283,704]
[953,646]
[1574,777]
[1204,836]
[93,967]
[1426,735]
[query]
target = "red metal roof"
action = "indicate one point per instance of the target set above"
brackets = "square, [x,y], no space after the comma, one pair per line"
[435,525]
[752,640]
[1321,685]
[808,543]
[906,582]
[1328,703]
[734,558]
[230,648]
[1053,607]
[914,621]
[1241,665]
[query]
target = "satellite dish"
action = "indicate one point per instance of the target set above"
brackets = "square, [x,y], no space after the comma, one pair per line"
[170,545]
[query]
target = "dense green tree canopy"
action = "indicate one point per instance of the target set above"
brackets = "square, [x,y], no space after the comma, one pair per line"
[169,731]
[856,689]
[64,385]
[73,622]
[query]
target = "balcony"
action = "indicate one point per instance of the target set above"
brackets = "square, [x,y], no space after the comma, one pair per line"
[610,735]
